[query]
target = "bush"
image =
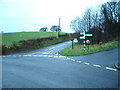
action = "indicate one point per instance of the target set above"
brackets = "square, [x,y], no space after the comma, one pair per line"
[5,49]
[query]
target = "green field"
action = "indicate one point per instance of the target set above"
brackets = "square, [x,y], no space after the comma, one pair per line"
[79,49]
[9,38]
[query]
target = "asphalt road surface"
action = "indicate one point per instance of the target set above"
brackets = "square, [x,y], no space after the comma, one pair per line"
[44,68]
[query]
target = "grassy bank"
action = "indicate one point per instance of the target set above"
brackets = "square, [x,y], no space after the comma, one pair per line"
[78,49]
[10,38]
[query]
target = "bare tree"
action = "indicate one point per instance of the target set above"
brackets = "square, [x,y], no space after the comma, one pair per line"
[82,24]
[87,19]
[73,25]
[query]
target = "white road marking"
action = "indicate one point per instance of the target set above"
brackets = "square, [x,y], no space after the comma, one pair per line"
[62,56]
[108,68]
[96,65]
[68,58]
[47,52]
[39,55]
[27,55]
[78,61]
[56,56]
[72,60]
[86,63]
[50,56]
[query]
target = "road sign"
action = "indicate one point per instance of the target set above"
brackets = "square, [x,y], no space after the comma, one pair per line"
[75,41]
[88,41]
[83,37]
[88,35]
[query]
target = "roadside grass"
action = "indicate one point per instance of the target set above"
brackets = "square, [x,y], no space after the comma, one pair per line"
[79,49]
[10,38]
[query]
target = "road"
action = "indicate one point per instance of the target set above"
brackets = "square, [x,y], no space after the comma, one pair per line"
[45,69]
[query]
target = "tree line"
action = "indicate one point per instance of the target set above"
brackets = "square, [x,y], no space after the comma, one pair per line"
[103,22]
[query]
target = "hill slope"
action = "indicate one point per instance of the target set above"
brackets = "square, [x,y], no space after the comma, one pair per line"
[9,38]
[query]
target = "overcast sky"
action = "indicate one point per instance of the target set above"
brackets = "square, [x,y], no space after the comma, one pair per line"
[31,15]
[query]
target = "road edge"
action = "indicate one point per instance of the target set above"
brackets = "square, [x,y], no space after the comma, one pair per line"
[116,65]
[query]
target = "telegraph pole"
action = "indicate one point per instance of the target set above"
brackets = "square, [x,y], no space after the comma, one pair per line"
[59,27]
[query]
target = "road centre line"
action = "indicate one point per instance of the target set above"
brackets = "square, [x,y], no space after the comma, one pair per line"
[72,60]
[96,65]
[78,61]
[108,68]
[86,63]
[68,58]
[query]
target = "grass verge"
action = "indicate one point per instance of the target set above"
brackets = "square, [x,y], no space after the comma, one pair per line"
[9,38]
[78,49]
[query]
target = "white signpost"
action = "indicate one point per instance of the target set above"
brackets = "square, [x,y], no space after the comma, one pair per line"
[83,37]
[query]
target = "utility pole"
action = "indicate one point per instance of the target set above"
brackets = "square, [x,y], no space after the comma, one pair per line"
[59,27]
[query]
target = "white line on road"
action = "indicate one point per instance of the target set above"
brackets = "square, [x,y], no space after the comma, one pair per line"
[78,61]
[96,65]
[27,55]
[50,56]
[56,56]
[39,55]
[108,68]
[47,52]
[86,63]
[68,58]
[72,60]
[62,56]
